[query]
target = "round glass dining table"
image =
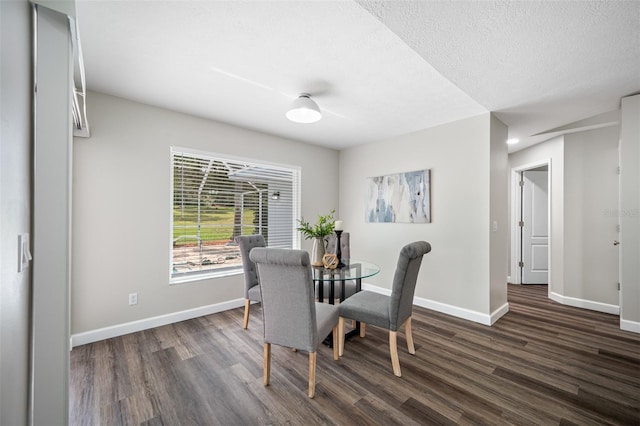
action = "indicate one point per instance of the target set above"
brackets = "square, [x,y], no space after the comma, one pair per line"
[353,270]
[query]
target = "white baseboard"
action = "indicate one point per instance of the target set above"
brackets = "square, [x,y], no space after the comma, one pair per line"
[498,313]
[147,323]
[456,311]
[444,308]
[376,289]
[585,304]
[632,326]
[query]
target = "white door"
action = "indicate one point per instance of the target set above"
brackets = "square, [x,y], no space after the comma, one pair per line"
[535,227]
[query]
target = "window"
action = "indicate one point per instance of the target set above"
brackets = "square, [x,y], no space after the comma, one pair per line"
[216,198]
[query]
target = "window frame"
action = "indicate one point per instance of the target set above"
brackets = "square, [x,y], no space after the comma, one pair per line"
[236,269]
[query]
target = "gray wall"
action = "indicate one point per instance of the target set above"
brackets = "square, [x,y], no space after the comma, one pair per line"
[499,215]
[591,200]
[121,212]
[122,208]
[456,277]
[15,207]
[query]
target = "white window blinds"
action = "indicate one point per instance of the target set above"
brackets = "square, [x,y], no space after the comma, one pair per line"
[215,199]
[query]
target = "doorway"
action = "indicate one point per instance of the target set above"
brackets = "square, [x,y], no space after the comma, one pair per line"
[530,248]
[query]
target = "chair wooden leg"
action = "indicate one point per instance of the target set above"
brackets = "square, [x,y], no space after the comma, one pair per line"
[247,303]
[312,374]
[362,329]
[393,348]
[336,344]
[267,363]
[340,336]
[409,336]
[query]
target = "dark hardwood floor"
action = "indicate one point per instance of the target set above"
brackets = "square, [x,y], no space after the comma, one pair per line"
[541,364]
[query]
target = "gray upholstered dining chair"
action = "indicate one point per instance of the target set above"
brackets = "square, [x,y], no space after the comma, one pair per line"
[251,282]
[389,312]
[345,245]
[291,316]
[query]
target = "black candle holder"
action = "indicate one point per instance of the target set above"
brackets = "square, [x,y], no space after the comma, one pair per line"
[339,249]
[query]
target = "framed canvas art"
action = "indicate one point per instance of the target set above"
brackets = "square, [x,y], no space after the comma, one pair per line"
[401,197]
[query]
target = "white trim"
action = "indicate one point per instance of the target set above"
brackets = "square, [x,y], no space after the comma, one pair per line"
[585,304]
[206,275]
[376,289]
[147,323]
[515,247]
[632,326]
[208,154]
[499,313]
[444,308]
[188,277]
[455,311]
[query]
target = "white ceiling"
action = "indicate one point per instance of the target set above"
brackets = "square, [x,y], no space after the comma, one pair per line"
[376,69]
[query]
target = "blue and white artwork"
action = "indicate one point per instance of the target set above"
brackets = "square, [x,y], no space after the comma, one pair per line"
[401,197]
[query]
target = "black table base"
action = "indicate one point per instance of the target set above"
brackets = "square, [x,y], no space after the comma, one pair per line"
[336,276]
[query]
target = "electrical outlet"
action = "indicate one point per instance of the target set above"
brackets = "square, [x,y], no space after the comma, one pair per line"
[133,298]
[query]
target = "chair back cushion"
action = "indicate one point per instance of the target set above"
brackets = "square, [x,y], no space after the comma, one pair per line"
[404,282]
[344,244]
[288,305]
[246,243]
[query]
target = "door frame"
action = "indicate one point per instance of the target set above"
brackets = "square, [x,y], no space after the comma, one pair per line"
[530,211]
[516,249]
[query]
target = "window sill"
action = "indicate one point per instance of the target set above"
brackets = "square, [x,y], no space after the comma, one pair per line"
[188,278]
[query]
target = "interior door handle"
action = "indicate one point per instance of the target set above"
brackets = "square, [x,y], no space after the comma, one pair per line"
[616,243]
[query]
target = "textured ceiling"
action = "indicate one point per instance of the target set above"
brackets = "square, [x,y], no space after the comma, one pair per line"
[377,69]
[537,64]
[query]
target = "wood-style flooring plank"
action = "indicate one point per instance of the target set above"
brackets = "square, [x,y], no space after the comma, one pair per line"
[541,364]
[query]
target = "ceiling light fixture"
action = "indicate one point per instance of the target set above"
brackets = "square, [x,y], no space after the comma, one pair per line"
[512,141]
[304,110]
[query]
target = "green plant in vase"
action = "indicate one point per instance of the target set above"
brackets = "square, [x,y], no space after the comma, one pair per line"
[322,228]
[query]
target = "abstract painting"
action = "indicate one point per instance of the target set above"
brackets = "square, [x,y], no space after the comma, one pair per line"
[400,197]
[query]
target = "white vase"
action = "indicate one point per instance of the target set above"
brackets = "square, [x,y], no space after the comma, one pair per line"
[317,251]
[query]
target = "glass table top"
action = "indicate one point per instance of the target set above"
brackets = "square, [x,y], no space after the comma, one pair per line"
[353,269]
